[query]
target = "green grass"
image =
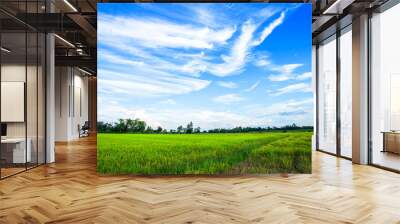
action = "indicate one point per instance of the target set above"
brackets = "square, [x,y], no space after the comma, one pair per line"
[154,154]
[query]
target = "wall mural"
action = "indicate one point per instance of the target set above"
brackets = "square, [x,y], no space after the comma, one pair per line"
[214,89]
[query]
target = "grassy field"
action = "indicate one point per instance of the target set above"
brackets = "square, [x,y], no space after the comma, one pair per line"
[153,154]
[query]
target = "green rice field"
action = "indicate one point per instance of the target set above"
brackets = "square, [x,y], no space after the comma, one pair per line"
[205,154]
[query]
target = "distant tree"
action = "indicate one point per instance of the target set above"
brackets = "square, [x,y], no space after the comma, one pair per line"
[121,126]
[138,126]
[179,129]
[103,127]
[149,130]
[189,128]
[130,125]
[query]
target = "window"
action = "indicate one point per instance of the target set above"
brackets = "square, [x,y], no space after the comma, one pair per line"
[385,89]
[346,92]
[327,95]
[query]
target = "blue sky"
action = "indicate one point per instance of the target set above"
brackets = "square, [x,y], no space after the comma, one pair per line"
[218,65]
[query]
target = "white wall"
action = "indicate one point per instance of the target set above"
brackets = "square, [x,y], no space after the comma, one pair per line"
[71,94]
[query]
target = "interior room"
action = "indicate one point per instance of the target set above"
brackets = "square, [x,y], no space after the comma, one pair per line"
[35,113]
[22,99]
[71,103]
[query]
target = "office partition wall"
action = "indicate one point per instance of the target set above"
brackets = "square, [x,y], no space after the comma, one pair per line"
[22,77]
[15,152]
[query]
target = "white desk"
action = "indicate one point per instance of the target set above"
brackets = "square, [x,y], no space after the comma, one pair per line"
[19,154]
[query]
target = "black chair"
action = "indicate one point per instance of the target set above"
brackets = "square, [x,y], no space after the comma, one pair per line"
[84,130]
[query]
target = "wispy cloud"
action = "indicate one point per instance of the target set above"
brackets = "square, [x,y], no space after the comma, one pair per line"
[287,69]
[155,33]
[287,72]
[297,87]
[306,75]
[237,57]
[154,84]
[228,98]
[229,85]
[236,60]
[168,102]
[268,30]
[263,62]
[252,87]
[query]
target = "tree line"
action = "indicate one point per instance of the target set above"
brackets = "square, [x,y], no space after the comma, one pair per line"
[139,126]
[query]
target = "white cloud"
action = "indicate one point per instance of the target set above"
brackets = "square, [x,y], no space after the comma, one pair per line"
[173,117]
[235,61]
[228,98]
[205,17]
[108,56]
[280,77]
[262,62]
[287,69]
[153,84]
[168,102]
[285,72]
[282,107]
[304,76]
[252,87]
[288,112]
[154,33]
[147,38]
[229,85]
[268,30]
[298,87]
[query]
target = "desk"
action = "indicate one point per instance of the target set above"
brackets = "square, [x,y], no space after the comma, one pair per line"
[391,141]
[15,148]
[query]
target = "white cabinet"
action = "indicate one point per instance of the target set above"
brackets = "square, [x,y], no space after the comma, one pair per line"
[18,149]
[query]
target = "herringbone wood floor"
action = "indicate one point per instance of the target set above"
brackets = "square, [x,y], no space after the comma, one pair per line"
[70,191]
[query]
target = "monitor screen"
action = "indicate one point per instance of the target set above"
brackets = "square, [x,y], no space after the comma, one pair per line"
[3,129]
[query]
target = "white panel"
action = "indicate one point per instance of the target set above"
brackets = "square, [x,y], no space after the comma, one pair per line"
[12,101]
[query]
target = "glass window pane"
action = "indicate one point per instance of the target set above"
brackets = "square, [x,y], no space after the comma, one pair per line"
[386,89]
[346,93]
[13,86]
[327,95]
[31,97]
